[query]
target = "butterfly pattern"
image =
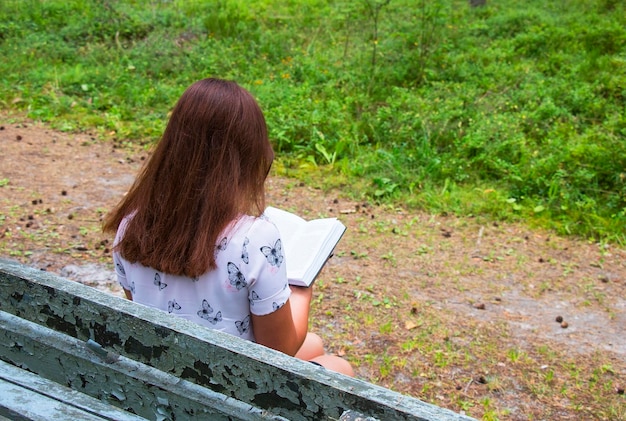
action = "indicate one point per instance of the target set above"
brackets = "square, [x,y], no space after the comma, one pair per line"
[120,267]
[244,252]
[276,306]
[221,246]
[216,319]
[254,297]
[172,305]
[205,311]
[243,326]
[122,271]
[274,255]
[235,276]
[157,282]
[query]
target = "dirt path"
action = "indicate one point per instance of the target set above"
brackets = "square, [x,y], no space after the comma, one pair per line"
[394,265]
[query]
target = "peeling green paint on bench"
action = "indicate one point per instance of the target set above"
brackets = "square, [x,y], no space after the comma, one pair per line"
[26,396]
[130,333]
[130,385]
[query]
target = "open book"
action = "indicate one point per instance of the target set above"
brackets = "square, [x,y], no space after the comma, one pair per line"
[307,245]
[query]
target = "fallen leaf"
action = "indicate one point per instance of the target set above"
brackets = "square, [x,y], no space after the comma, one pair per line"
[408,325]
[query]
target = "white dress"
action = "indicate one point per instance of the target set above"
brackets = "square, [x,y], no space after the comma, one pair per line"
[250,278]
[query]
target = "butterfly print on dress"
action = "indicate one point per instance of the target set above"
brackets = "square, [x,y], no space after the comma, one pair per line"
[221,246]
[157,281]
[254,297]
[235,276]
[120,267]
[217,318]
[172,305]
[274,255]
[243,326]
[205,311]
[244,251]
[276,306]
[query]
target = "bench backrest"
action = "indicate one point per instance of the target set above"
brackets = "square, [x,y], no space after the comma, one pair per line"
[164,367]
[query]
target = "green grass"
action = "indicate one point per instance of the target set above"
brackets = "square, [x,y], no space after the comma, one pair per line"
[512,110]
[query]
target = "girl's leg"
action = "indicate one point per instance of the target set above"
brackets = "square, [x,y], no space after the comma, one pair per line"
[335,363]
[312,347]
[313,350]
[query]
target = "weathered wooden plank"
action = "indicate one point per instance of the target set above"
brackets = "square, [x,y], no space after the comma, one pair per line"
[114,379]
[228,365]
[17,403]
[26,396]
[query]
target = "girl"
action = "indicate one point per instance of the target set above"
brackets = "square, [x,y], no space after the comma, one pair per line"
[190,235]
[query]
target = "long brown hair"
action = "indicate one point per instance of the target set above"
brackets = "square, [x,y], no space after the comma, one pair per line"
[208,168]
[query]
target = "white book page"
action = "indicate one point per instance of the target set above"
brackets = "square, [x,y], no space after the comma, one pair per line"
[306,246]
[286,222]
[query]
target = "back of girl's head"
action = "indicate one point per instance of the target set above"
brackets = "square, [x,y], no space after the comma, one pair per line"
[209,167]
[217,136]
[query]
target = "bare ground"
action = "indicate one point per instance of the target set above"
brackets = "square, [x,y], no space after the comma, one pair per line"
[461,312]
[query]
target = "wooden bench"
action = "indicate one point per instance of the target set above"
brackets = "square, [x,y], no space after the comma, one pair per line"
[78,349]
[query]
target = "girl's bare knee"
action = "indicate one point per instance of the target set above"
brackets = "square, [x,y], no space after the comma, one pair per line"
[335,363]
[312,347]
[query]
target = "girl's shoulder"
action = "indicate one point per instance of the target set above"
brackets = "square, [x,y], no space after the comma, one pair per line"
[254,227]
[241,242]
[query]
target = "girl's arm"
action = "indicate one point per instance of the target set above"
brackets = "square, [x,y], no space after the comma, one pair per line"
[300,305]
[285,329]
